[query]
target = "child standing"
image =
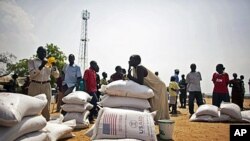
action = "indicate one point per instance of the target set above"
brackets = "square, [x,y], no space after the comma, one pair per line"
[173,89]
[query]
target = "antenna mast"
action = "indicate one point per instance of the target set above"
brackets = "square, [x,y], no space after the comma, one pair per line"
[83,55]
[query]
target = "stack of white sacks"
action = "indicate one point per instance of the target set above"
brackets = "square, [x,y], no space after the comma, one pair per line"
[125,114]
[20,119]
[77,107]
[228,112]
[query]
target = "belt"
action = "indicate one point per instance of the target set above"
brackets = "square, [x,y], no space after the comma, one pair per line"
[40,82]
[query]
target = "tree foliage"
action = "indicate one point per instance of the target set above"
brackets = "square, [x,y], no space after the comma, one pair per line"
[6,59]
[54,51]
[20,68]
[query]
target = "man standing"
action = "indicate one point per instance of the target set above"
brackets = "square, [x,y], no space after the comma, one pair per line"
[176,75]
[243,91]
[193,86]
[90,85]
[72,76]
[40,78]
[220,91]
[249,85]
[183,91]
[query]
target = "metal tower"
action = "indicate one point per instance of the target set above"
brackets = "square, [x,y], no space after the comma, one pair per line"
[83,55]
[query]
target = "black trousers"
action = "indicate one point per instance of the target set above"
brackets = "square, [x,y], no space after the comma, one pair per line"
[198,97]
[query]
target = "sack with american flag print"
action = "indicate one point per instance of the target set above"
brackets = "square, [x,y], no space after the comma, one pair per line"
[114,123]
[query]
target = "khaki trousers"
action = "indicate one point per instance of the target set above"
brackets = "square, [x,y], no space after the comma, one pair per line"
[36,89]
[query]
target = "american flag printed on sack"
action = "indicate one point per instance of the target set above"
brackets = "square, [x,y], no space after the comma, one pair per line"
[109,124]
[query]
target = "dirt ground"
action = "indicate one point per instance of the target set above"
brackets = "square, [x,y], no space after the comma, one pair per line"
[184,129]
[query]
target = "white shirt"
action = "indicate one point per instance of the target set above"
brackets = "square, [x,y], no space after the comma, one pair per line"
[193,81]
[44,73]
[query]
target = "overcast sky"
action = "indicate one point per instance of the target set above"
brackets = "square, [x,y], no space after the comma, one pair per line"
[168,34]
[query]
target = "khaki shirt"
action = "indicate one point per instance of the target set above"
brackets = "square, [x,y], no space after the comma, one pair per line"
[41,75]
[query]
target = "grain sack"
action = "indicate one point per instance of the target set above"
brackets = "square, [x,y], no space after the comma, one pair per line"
[83,125]
[58,118]
[223,117]
[77,107]
[246,115]
[70,123]
[14,106]
[117,140]
[66,136]
[27,125]
[231,109]
[77,97]
[204,118]
[34,136]
[119,124]
[119,101]
[56,131]
[207,109]
[128,88]
[79,117]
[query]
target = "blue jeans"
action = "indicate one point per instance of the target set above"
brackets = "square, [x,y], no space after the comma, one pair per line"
[194,95]
[93,111]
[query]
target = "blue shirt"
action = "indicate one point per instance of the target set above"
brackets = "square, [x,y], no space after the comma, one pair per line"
[176,78]
[71,74]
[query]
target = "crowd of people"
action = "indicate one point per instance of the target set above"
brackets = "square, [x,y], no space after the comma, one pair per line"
[164,101]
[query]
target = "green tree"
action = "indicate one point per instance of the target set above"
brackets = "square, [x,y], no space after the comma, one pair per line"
[20,68]
[53,51]
[6,59]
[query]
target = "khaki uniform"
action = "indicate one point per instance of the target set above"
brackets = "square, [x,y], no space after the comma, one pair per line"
[159,102]
[40,82]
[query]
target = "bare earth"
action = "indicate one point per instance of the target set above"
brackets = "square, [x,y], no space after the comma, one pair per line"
[185,130]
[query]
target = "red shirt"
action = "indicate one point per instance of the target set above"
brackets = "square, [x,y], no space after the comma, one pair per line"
[220,83]
[90,80]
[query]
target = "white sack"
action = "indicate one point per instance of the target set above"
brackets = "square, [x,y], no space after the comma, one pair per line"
[117,140]
[231,109]
[246,115]
[77,97]
[119,124]
[56,131]
[14,106]
[68,135]
[128,88]
[119,101]
[70,123]
[83,125]
[56,118]
[77,107]
[79,117]
[207,109]
[204,118]
[27,125]
[34,136]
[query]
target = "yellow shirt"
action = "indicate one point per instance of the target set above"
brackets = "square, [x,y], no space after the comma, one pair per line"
[173,85]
